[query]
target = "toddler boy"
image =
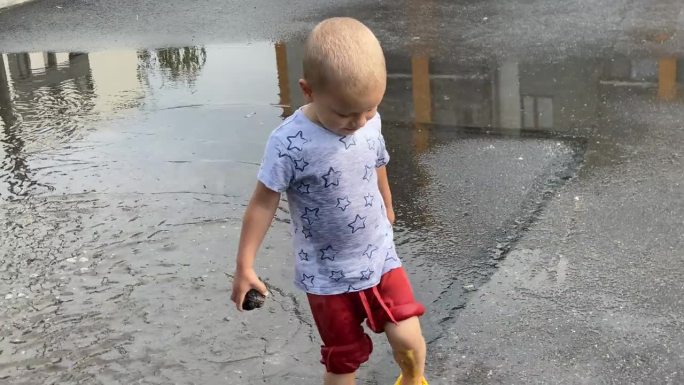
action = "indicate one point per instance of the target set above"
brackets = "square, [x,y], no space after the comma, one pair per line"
[329,157]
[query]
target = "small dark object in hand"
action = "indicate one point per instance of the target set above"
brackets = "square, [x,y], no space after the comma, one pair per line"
[253,300]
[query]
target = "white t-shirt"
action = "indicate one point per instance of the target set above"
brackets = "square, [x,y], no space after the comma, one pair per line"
[343,241]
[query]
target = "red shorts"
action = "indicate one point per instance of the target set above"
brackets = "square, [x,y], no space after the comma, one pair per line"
[339,318]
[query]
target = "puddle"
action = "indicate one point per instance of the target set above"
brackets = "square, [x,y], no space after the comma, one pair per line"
[51,100]
[124,175]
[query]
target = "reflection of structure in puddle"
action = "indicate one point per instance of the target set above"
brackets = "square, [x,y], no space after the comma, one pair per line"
[283,79]
[42,96]
[667,79]
[48,98]
[45,98]
[422,102]
[12,167]
[510,96]
[423,40]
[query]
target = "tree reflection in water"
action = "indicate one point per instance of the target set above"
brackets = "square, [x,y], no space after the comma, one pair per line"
[177,64]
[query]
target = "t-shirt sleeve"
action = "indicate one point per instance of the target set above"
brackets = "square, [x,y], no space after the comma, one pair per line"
[383,155]
[277,167]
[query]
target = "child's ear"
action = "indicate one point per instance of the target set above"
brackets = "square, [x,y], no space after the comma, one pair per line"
[306,90]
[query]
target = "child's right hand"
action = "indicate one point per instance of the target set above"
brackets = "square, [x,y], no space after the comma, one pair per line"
[243,281]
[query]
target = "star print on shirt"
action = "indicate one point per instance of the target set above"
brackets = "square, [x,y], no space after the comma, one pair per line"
[371,143]
[343,203]
[303,188]
[297,141]
[366,274]
[359,223]
[284,154]
[336,275]
[310,215]
[303,255]
[351,288]
[370,250]
[300,164]
[369,173]
[305,279]
[389,258]
[332,178]
[348,141]
[307,232]
[328,253]
[369,200]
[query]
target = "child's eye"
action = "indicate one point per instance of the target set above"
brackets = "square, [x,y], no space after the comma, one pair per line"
[342,115]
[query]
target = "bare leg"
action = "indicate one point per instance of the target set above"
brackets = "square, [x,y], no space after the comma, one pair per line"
[408,346]
[339,379]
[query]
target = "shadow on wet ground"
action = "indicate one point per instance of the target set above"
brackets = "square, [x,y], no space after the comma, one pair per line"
[124,175]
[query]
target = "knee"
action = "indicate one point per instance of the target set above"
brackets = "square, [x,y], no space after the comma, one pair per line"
[347,358]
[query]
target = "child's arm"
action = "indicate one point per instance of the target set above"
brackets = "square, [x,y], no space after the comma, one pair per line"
[255,224]
[383,184]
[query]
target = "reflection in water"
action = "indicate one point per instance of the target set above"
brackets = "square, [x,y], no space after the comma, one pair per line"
[52,98]
[42,103]
[667,79]
[13,168]
[118,92]
[283,79]
[507,96]
[48,99]
[422,96]
[177,63]
[422,101]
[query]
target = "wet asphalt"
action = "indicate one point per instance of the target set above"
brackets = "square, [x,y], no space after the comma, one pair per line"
[536,167]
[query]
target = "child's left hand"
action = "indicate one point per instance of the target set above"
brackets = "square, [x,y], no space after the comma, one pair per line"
[390,215]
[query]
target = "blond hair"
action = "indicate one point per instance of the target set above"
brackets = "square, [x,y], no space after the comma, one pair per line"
[341,52]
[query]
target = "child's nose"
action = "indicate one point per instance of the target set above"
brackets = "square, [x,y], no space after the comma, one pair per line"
[360,122]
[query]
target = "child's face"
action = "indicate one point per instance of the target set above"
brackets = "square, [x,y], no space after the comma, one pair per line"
[341,113]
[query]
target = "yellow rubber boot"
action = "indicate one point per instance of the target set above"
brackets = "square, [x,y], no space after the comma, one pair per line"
[399,381]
